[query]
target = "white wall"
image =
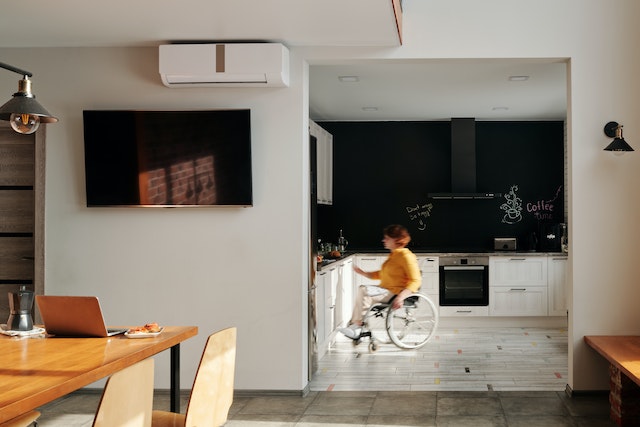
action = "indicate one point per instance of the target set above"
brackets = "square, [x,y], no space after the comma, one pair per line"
[247,267]
[210,267]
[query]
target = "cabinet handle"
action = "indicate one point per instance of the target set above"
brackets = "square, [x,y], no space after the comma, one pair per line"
[517,259]
[464,267]
[463,311]
[518,289]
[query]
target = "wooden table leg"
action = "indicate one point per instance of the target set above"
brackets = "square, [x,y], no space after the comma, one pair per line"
[175,378]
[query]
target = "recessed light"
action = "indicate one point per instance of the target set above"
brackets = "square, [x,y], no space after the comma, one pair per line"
[349,79]
[369,108]
[518,78]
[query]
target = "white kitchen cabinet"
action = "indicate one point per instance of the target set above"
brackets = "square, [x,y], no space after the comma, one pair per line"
[557,282]
[518,301]
[326,285]
[344,302]
[518,271]
[324,163]
[429,269]
[463,311]
[518,286]
[321,334]
[368,263]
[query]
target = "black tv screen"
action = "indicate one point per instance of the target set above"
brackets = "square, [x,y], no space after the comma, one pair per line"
[168,158]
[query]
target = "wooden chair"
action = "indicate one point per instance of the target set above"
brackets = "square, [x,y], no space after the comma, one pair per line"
[212,392]
[23,420]
[127,399]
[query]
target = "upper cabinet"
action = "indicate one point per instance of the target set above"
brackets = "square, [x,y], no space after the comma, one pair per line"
[324,158]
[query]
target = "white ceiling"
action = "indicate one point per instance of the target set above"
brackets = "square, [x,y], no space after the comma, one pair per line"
[400,90]
[440,90]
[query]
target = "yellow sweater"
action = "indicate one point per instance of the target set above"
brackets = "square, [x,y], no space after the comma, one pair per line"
[399,271]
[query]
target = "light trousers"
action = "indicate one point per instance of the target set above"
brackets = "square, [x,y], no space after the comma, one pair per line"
[365,298]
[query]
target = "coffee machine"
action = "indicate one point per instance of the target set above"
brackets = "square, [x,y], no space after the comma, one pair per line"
[551,237]
[20,306]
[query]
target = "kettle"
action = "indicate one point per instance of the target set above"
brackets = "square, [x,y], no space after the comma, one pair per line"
[20,305]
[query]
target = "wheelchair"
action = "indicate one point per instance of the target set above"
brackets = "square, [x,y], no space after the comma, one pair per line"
[409,327]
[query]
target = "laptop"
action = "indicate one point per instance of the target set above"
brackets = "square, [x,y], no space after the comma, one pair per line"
[74,316]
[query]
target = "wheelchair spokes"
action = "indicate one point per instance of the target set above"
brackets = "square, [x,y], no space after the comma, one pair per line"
[410,327]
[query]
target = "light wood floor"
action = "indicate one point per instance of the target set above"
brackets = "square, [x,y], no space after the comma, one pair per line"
[456,359]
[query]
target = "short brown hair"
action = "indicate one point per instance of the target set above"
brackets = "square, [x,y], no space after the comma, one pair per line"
[399,233]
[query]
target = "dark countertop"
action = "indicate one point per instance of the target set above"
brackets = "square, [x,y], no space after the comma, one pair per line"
[329,261]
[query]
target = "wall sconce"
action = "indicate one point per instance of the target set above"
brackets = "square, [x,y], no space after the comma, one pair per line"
[23,111]
[618,145]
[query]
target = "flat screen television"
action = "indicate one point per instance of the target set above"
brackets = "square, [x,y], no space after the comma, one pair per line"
[168,158]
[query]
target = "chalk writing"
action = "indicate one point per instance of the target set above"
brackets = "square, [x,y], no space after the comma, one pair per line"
[512,207]
[543,209]
[420,213]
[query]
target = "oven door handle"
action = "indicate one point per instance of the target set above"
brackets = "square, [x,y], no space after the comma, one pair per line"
[464,267]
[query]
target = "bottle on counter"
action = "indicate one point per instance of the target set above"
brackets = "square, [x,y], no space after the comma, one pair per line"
[564,239]
[342,242]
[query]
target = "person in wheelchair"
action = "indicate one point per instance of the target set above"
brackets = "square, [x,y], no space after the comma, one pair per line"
[399,278]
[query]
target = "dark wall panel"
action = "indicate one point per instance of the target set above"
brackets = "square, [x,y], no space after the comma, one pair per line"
[383,172]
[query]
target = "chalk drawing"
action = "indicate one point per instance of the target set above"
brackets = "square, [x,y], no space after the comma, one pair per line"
[512,206]
[419,213]
[543,209]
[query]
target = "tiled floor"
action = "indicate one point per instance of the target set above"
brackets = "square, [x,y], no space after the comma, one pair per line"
[475,377]
[461,359]
[379,408]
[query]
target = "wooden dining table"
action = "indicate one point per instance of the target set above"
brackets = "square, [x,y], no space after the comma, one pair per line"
[37,370]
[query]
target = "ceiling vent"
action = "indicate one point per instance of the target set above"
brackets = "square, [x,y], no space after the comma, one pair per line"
[224,65]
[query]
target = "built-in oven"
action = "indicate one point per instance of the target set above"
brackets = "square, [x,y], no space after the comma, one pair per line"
[464,281]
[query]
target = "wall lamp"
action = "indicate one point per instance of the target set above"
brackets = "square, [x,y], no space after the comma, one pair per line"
[618,145]
[23,111]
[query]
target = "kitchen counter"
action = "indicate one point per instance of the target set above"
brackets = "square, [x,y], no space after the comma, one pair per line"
[464,253]
[329,262]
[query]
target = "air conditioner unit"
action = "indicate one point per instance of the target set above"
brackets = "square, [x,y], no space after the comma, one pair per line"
[224,65]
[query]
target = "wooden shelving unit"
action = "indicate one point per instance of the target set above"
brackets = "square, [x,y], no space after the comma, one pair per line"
[22,176]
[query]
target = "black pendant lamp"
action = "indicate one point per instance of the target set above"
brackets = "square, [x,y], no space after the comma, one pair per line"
[23,111]
[618,145]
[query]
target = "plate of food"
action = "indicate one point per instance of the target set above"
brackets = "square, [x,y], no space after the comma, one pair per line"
[149,330]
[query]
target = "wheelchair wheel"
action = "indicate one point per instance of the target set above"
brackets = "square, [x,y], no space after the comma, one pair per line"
[412,325]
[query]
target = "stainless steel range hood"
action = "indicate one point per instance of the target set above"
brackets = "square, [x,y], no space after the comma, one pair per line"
[463,163]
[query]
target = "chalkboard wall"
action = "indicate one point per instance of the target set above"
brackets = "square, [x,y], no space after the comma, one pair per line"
[384,171]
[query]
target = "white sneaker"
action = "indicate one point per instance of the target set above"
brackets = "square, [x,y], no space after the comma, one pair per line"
[352,331]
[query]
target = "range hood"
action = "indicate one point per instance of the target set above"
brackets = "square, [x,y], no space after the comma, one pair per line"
[463,163]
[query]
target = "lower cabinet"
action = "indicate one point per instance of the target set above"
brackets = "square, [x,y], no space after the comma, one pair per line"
[368,263]
[334,296]
[429,269]
[326,284]
[518,301]
[531,285]
[518,286]
[346,289]
[557,269]
[462,311]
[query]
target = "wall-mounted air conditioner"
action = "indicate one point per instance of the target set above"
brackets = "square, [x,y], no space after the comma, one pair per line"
[224,65]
